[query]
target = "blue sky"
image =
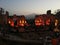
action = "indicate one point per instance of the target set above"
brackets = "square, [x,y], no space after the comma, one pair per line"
[26,7]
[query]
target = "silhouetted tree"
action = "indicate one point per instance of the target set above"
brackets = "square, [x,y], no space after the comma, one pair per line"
[58,13]
[48,12]
[7,13]
[1,11]
[1,15]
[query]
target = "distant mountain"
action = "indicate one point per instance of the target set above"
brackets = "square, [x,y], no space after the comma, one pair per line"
[30,16]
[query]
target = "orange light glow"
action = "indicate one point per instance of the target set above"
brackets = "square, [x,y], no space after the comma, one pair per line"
[12,25]
[25,22]
[20,21]
[9,22]
[56,22]
[39,22]
[48,22]
[21,24]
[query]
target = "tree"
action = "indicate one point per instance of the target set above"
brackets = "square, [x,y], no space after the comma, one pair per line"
[7,13]
[1,15]
[1,11]
[58,13]
[48,12]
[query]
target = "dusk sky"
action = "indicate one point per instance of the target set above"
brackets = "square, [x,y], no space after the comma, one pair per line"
[26,7]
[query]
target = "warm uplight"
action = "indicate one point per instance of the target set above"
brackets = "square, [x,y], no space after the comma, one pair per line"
[48,22]
[56,22]
[12,24]
[22,25]
[39,22]
[20,21]
[9,22]
[25,22]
